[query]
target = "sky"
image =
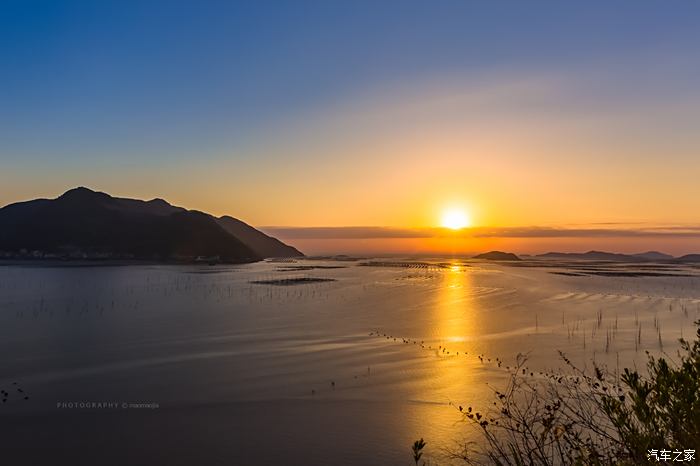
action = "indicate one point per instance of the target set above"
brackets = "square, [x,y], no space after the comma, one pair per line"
[553,125]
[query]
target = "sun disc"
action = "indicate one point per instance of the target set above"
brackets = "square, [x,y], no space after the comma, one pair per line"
[455,219]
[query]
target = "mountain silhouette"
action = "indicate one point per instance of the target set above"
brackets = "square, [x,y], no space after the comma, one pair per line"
[689,258]
[591,255]
[654,256]
[497,256]
[86,223]
[262,244]
[651,256]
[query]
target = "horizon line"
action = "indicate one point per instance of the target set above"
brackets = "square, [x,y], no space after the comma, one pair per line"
[379,232]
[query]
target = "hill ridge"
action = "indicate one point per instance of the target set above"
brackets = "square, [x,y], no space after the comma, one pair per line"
[83,223]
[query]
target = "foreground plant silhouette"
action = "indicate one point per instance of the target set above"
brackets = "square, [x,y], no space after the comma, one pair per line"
[577,418]
[418,446]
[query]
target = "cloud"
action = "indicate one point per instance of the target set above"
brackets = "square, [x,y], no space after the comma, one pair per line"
[374,232]
[349,232]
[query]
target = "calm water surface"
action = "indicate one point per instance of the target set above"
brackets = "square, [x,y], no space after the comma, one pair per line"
[246,373]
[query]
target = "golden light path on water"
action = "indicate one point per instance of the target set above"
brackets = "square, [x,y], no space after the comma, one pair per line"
[453,376]
[454,310]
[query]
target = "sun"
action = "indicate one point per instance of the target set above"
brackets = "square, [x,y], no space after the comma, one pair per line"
[455,219]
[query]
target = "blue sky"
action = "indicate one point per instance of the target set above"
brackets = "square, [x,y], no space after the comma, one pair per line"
[93,80]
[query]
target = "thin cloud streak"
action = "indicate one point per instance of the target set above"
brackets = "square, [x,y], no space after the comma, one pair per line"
[370,232]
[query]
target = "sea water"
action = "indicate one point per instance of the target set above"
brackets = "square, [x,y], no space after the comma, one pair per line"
[155,364]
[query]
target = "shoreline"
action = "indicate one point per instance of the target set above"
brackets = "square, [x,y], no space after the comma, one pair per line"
[108,262]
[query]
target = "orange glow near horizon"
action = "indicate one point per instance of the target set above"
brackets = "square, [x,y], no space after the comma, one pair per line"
[416,152]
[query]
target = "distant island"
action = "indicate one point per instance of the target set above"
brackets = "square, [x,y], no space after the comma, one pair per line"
[689,258]
[650,256]
[86,224]
[497,256]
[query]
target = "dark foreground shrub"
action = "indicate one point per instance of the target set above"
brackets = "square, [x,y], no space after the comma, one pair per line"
[591,419]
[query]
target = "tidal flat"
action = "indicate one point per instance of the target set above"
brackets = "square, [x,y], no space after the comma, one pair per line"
[156,364]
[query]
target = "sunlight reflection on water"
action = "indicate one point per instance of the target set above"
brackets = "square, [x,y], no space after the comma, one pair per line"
[373,360]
